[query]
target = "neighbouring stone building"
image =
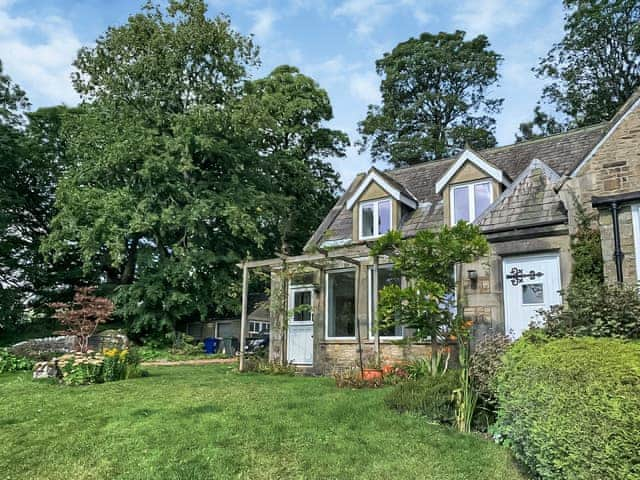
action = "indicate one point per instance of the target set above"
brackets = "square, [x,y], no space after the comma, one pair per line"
[523,197]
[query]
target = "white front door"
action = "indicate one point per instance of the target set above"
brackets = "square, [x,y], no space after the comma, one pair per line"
[531,283]
[300,332]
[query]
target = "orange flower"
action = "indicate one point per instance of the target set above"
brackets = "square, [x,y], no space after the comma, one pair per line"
[452,337]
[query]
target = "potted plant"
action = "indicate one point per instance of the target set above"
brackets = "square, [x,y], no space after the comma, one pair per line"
[371,371]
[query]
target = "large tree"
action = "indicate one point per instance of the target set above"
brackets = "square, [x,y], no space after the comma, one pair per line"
[32,159]
[596,66]
[285,114]
[435,99]
[169,188]
[163,197]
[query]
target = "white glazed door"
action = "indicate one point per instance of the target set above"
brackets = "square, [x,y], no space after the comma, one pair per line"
[531,283]
[300,334]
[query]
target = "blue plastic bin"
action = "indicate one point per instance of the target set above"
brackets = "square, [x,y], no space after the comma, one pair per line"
[210,345]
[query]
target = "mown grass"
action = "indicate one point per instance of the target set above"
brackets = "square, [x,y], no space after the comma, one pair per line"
[210,422]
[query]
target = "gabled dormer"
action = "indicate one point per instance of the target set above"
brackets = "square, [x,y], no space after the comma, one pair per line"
[469,186]
[377,205]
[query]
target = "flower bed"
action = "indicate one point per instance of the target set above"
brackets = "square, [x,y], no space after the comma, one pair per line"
[91,367]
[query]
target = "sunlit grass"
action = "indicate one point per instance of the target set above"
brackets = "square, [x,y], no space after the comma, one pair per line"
[210,422]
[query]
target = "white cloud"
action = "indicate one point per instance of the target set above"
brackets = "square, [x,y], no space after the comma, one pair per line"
[369,15]
[366,14]
[366,87]
[422,17]
[417,11]
[37,54]
[264,21]
[335,70]
[488,16]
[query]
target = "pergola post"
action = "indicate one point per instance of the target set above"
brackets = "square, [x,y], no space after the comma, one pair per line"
[357,319]
[374,309]
[243,318]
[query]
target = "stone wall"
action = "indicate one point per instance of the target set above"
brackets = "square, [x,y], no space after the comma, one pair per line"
[614,170]
[45,347]
[483,298]
[37,347]
[345,354]
[615,167]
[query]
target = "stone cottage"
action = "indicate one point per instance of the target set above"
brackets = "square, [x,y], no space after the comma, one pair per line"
[522,196]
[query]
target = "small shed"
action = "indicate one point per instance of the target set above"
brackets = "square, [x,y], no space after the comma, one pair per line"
[259,324]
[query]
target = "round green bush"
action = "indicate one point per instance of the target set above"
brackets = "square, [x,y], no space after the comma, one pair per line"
[13,363]
[428,396]
[570,408]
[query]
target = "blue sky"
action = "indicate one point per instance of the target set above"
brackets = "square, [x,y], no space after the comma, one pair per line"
[334,41]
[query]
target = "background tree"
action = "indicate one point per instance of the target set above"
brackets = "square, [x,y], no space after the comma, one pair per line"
[435,98]
[13,102]
[596,66]
[284,113]
[542,125]
[32,160]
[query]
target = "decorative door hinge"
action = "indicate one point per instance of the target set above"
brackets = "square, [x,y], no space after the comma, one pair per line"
[517,276]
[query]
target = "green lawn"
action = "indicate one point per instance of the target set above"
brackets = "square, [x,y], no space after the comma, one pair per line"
[210,422]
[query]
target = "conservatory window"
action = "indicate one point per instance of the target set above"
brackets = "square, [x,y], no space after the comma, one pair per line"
[341,307]
[386,276]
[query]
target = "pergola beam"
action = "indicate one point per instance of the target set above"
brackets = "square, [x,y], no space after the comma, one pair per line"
[311,259]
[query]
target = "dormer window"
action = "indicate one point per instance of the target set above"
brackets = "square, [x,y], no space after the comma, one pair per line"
[375,218]
[468,201]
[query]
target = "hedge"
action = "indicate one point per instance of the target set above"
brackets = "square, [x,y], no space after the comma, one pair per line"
[570,408]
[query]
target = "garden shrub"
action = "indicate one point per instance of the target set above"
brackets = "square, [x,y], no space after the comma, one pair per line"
[486,360]
[570,408]
[428,396]
[596,310]
[13,363]
[81,369]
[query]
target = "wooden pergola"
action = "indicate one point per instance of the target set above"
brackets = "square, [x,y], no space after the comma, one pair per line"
[314,260]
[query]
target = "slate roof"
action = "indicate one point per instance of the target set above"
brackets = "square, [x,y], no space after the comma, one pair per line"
[529,201]
[389,177]
[561,153]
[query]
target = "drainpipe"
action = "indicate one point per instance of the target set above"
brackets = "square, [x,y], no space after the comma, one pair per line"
[614,202]
[617,250]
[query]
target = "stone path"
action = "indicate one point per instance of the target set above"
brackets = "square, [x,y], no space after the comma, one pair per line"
[169,363]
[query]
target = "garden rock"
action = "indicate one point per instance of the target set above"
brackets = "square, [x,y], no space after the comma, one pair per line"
[108,339]
[46,370]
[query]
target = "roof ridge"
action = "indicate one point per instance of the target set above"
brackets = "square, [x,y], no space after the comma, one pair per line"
[573,131]
[422,164]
